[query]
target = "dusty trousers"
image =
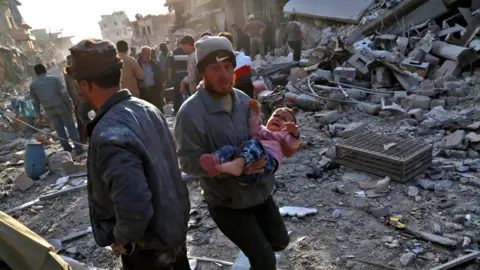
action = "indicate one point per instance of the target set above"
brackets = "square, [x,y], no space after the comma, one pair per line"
[257,47]
[258,231]
[173,259]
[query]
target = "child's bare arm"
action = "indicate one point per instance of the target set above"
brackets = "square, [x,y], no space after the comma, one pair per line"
[292,141]
[254,121]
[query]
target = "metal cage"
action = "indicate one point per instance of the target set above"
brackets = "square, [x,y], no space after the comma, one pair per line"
[399,159]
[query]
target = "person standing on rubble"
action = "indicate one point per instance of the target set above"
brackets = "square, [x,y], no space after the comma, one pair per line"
[151,88]
[81,106]
[166,62]
[181,71]
[293,36]
[49,92]
[188,86]
[215,116]
[255,29]
[242,41]
[138,202]
[131,72]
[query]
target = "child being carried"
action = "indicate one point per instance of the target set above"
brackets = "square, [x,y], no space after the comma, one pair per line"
[267,141]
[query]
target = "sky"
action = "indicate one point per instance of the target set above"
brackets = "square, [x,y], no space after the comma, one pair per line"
[80,18]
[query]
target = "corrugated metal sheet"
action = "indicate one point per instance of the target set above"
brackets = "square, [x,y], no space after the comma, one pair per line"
[349,11]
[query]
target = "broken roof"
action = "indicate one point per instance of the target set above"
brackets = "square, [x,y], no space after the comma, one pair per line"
[337,10]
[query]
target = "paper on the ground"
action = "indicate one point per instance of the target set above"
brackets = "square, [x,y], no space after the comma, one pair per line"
[297,211]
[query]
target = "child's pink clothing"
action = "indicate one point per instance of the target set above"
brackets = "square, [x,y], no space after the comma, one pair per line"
[270,140]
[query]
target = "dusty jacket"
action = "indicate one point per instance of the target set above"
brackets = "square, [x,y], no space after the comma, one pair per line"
[131,73]
[293,32]
[203,126]
[254,28]
[135,190]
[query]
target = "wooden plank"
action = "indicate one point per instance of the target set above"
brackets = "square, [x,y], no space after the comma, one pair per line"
[62,192]
[458,261]
[23,206]
[431,237]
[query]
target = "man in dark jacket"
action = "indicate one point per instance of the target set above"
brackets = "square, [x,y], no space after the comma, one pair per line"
[151,88]
[215,116]
[138,201]
[242,41]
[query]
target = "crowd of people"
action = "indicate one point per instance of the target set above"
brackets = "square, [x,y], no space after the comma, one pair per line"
[139,204]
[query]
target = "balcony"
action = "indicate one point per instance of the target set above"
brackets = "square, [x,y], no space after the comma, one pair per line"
[21,34]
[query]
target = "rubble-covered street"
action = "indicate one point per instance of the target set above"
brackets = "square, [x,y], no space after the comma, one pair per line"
[387,177]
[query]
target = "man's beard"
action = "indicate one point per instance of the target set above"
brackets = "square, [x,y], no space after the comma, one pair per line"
[218,92]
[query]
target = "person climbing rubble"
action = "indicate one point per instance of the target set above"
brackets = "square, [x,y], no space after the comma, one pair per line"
[138,202]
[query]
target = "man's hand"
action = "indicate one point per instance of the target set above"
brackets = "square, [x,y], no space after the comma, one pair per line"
[182,87]
[256,167]
[73,108]
[291,128]
[119,248]
[254,106]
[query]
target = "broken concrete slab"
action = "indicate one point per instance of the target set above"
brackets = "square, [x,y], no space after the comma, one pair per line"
[353,129]
[473,137]
[336,10]
[327,117]
[23,182]
[416,102]
[456,140]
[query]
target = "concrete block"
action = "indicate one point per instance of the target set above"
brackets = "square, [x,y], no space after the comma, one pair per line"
[23,182]
[449,67]
[416,114]
[353,129]
[327,117]
[368,108]
[456,140]
[438,102]
[416,102]
[452,101]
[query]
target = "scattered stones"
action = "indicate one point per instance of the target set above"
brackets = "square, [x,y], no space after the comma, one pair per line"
[412,191]
[383,185]
[407,258]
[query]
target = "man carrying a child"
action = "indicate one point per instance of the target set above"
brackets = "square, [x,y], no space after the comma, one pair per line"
[220,139]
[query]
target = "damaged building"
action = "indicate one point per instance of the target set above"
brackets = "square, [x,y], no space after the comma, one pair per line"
[218,15]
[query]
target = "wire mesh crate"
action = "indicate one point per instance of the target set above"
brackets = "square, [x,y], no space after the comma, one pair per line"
[399,159]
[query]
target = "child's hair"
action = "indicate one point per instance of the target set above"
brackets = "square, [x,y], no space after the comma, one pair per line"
[291,112]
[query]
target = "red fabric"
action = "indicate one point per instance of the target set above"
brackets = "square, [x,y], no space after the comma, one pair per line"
[243,71]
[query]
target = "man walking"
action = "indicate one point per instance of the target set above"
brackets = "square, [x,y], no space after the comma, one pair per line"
[138,201]
[131,72]
[151,88]
[293,36]
[254,29]
[215,116]
[48,91]
[189,83]
[81,106]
